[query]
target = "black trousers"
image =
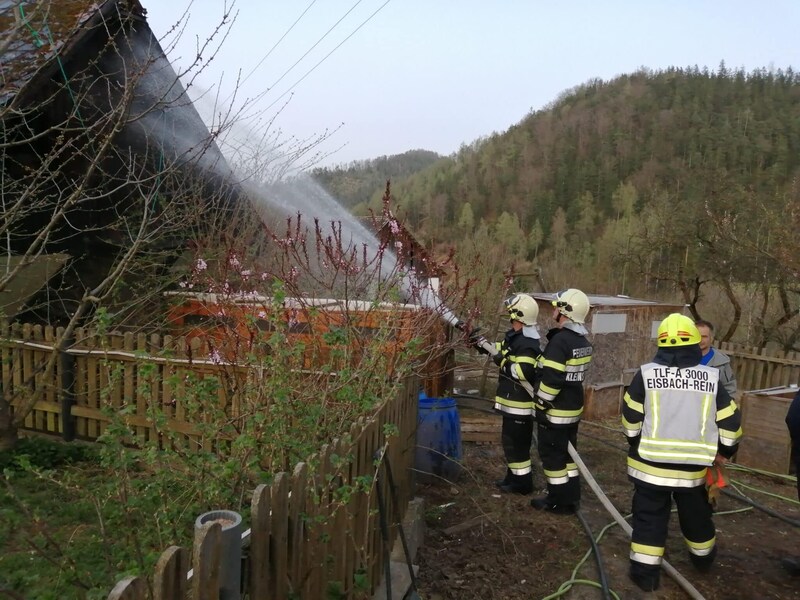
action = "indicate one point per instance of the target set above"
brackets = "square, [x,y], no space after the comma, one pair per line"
[651,510]
[516,436]
[796,459]
[560,472]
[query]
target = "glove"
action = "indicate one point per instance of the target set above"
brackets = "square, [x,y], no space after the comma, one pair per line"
[477,341]
[715,481]
[542,406]
[479,344]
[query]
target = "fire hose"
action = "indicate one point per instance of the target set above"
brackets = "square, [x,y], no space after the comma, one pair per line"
[670,570]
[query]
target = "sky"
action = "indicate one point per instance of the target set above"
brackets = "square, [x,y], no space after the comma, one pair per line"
[387,77]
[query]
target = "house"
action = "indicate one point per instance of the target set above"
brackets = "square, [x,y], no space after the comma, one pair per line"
[99,136]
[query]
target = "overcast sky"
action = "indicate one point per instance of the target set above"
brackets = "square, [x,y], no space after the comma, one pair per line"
[435,74]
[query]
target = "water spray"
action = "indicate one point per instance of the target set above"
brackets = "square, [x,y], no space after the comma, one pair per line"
[428,298]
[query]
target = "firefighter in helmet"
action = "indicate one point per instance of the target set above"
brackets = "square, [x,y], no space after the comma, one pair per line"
[517,357]
[559,400]
[679,421]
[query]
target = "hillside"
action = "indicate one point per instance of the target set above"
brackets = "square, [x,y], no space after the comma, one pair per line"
[355,183]
[681,183]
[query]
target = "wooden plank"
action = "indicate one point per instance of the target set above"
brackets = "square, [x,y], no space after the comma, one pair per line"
[92,386]
[324,525]
[170,578]
[130,588]
[206,556]
[280,534]
[39,384]
[81,423]
[260,582]
[297,541]
[141,392]
[28,369]
[766,443]
[339,529]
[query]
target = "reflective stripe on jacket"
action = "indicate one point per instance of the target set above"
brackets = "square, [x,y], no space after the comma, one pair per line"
[679,414]
[565,361]
[518,359]
[677,417]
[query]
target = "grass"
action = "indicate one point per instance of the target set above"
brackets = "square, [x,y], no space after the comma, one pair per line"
[70,525]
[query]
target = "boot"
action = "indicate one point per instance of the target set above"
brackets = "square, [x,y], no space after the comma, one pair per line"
[791,565]
[647,583]
[517,488]
[551,507]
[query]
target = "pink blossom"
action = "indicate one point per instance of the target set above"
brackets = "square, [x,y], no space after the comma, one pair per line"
[200,265]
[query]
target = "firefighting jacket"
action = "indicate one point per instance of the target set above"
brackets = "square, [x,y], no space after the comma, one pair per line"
[677,416]
[565,360]
[518,358]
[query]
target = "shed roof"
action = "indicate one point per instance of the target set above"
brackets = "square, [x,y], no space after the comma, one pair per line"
[599,300]
[36,32]
[33,275]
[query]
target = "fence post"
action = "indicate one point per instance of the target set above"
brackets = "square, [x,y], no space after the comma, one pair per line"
[206,558]
[170,580]
[130,588]
[67,369]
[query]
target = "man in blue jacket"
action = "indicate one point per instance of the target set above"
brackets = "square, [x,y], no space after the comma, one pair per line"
[793,423]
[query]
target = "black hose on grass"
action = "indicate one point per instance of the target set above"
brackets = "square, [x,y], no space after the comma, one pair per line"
[597,556]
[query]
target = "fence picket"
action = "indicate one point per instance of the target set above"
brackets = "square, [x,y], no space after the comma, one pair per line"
[170,579]
[207,553]
[92,386]
[130,588]
[280,532]
[260,583]
[297,536]
[28,369]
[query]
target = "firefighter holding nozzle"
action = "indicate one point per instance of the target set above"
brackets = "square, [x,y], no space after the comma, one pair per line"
[681,425]
[559,401]
[517,357]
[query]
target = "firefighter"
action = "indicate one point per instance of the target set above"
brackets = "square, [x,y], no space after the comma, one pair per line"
[517,357]
[679,420]
[559,401]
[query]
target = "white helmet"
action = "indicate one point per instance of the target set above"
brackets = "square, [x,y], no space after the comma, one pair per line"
[573,304]
[522,308]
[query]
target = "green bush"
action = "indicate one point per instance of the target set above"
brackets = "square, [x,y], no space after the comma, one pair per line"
[45,454]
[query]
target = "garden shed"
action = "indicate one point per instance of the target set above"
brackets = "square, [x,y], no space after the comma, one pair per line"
[623,331]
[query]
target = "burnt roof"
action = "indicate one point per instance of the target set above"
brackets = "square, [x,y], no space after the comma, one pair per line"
[39,34]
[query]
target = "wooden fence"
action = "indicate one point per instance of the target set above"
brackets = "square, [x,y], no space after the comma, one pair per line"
[307,540]
[111,371]
[762,368]
[314,533]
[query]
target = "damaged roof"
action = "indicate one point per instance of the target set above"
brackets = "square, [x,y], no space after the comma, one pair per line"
[37,32]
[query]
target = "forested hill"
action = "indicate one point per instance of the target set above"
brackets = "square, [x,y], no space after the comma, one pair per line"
[650,183]
[356,182]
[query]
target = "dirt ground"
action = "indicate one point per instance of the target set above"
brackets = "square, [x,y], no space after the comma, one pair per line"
[480,544]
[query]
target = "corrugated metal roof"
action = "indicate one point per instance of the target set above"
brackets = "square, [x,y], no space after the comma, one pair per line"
[596,301]
[35,32]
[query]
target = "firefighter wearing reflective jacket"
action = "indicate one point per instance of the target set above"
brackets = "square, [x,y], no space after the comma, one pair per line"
[559,401]
[679,420]
[517,357]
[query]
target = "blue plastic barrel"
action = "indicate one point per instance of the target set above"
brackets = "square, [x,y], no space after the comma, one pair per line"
[438,452]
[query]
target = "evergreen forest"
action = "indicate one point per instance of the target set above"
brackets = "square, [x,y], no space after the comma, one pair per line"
[675,185]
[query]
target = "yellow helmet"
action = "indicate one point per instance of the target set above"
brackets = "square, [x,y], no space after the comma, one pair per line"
[573,304]
[522,308]
[677,330]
